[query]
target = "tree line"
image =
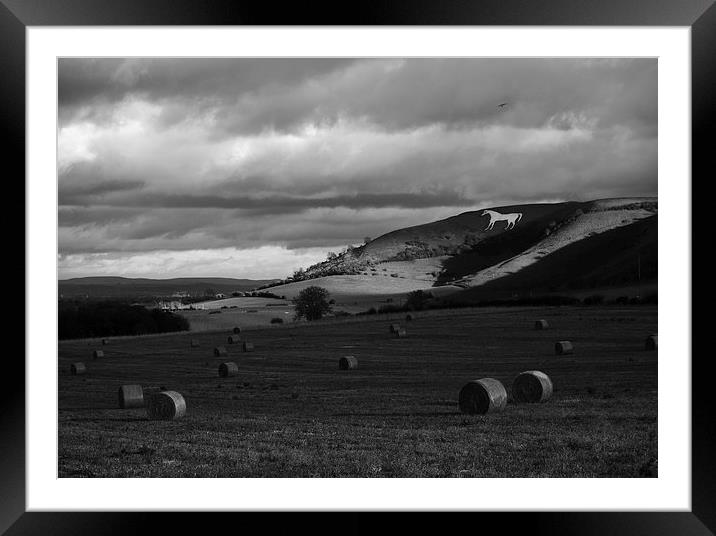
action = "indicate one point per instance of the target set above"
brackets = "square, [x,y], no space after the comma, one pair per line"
[79,320]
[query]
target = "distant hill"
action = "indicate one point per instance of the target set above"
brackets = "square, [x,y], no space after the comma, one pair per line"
[123,287]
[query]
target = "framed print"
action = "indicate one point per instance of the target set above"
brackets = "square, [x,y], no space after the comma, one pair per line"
[406,260]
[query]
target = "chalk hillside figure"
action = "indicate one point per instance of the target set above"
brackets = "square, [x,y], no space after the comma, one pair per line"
[495,216]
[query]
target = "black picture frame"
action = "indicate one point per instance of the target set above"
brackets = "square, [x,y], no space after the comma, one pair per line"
[699,15]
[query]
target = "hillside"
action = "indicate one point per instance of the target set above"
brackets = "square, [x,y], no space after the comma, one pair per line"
[458,234]
[593,219]
[461,251]
[618,257]
[123,287]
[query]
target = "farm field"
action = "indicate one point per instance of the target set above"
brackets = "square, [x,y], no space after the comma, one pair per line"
[291,413]
[350,293]
[247,311]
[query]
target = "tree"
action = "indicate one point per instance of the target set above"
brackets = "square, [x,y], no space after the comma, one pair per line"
[312,303]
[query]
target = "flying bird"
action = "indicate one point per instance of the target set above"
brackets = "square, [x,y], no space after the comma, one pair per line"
[502,105]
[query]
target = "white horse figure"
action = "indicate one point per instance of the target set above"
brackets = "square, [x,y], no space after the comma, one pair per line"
[511,218]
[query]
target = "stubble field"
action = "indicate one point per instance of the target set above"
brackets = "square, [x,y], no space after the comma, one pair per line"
[291,413]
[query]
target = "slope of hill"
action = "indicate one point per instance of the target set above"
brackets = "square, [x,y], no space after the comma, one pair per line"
[617,257]
[121,287]
[458,234]
[591,222]
[461,251]
[354,287]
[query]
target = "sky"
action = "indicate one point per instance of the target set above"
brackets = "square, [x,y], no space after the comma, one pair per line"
[254,167]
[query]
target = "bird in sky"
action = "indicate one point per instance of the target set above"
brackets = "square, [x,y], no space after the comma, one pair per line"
[502,105]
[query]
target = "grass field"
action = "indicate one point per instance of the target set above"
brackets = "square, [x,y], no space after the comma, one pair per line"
[239,312]
[291,413]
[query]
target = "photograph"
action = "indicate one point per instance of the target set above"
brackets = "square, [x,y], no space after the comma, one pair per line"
[357,267]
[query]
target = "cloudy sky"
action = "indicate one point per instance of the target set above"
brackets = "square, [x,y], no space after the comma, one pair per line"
[255,167]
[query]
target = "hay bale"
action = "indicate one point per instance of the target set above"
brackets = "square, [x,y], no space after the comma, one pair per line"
[347,363]
[228,369]
[97,354]
[78,369]
[394,328]
[486,395]
[532,386]
[194,343]
[651,343]
[234,339]
[248,347]
[563,347]
[541,324]
[237,330]
[400,333]
[166,406]
[408,318]
[131,396]
[220,351]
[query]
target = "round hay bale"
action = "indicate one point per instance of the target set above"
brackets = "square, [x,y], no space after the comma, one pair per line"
[483,396]
[131,396]
[166,406]
[194,343]
[563,347]
[400,333]
[237,330]
[408,318]
[220,351]
[347,363]
[532,386]
[541,324]
[234,339]
[97,354]
[248,347]
[394,327]
[228,369]
[651,343]
[78,369]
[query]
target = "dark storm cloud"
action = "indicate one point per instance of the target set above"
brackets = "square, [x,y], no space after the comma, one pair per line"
[94,84]
[405,94]
[243,96]
[183,154]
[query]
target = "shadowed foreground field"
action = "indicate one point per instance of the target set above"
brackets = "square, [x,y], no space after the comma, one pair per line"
[291,413]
